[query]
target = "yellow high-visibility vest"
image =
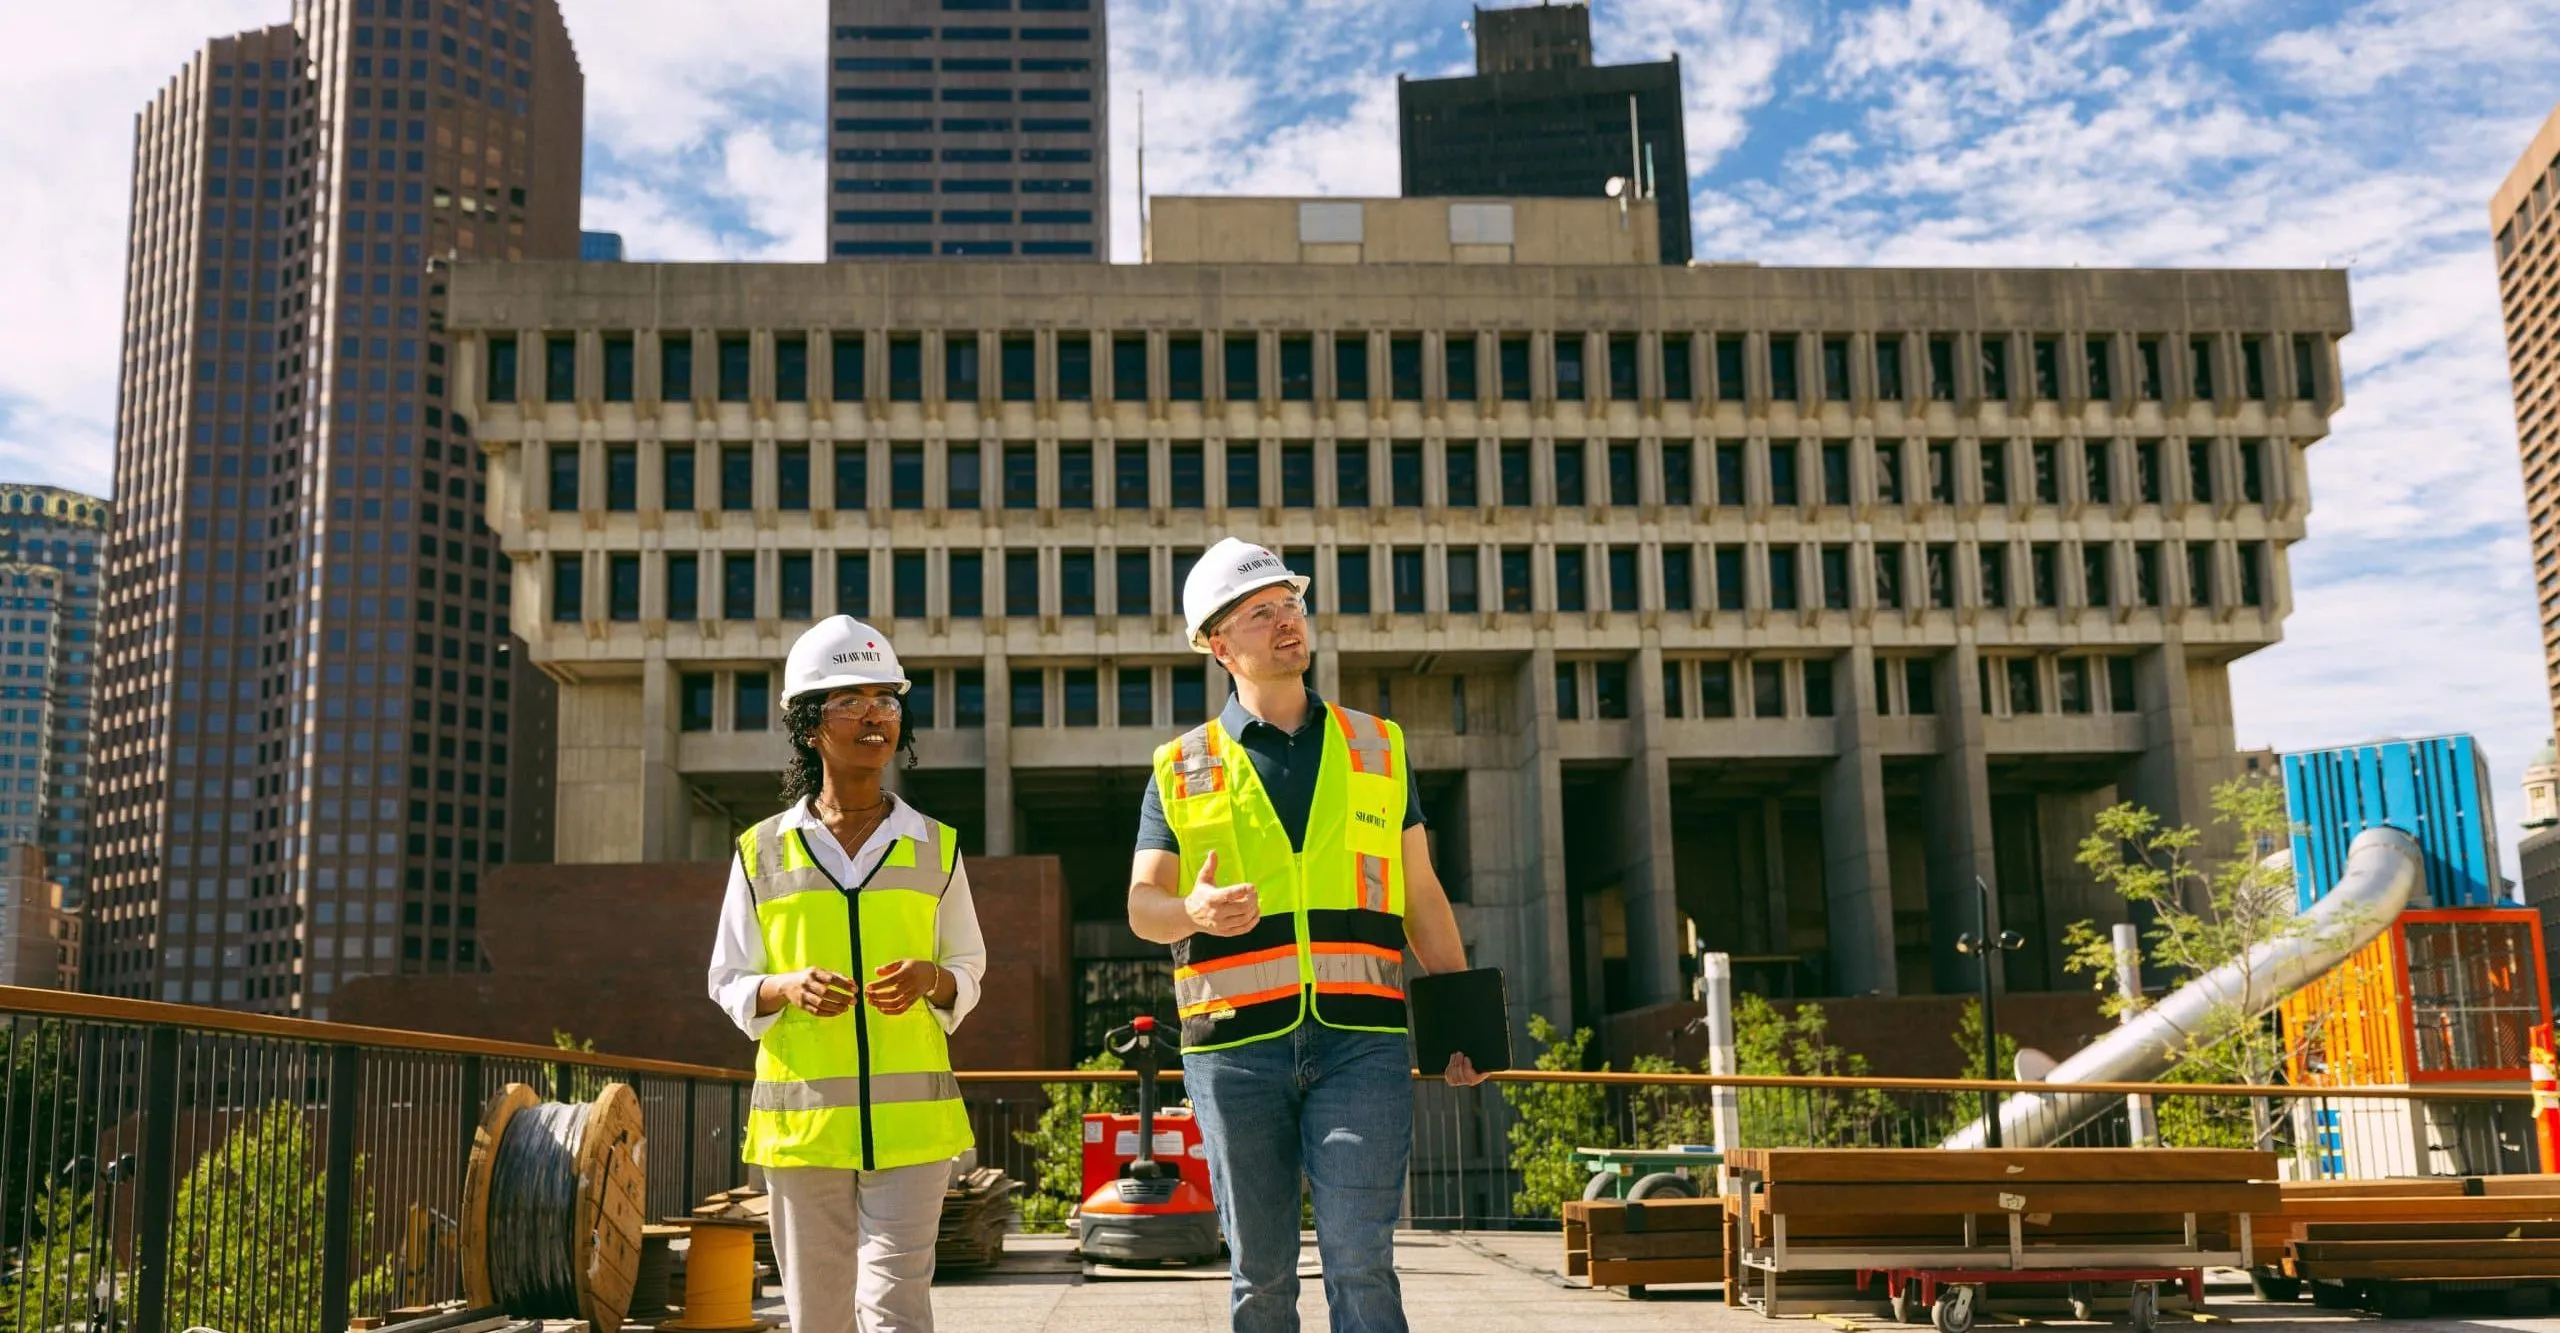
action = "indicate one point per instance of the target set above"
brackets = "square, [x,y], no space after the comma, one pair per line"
[861,1090]
[1331,939]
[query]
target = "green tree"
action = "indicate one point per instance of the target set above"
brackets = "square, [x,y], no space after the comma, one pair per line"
[1057,1143]
[1550,1120]
[245,1247]
[1670,1113]
[2205,910]
[56,1279]
[1768,1041]
[1969,1042]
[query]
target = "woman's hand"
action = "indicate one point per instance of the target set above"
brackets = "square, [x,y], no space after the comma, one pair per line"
[814,991]
[895,987]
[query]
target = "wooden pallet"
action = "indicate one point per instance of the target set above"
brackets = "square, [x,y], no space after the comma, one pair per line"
[1817,1215]
[1637,1244]
[2443,1202]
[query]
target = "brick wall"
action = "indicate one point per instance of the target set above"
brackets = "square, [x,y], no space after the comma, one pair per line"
[615,954]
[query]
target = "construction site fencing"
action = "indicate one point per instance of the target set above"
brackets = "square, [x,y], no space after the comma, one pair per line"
[164,1167]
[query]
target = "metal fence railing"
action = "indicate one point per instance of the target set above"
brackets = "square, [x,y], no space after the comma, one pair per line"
[164,1167]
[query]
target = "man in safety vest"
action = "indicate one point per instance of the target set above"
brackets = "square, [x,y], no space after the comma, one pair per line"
[1281,853]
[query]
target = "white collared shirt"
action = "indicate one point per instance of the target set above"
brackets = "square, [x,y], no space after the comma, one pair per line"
[737,951]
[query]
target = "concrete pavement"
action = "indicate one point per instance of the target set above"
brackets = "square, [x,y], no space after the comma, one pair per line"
[1473,1282]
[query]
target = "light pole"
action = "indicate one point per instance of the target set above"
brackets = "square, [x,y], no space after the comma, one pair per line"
[1980,948]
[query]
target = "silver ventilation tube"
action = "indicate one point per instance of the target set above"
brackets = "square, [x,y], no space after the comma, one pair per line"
[2382,875]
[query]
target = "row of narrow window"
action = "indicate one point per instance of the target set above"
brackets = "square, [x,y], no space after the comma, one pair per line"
[1711,688]
[1786,578]
[1784,367]
[1796,475]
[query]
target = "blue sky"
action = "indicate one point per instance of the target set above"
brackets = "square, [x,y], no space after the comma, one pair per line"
[1931,132]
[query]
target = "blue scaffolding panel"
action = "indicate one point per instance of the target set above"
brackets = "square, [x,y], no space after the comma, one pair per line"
[2435,790]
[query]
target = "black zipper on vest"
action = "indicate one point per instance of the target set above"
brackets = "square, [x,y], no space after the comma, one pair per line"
[861,1018]
[861,1022]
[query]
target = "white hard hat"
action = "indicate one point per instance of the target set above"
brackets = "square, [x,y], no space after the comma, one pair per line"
[1226,574]
[839,652]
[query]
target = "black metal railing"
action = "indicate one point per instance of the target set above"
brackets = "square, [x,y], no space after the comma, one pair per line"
[164,1167]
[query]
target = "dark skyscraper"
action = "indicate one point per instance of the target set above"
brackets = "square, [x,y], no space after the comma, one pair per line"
[313,718]
[968,129]
[51,545]
[1539,118]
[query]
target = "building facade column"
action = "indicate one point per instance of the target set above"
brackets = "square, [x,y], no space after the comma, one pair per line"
[1956,814]
[666,831]
[999,774]
[1649,879]
[1543,948]
[1857,871]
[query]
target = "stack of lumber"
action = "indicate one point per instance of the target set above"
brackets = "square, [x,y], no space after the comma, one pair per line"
[975,1212]
[1635,1244]
[2388,1244]
[1834,1212]
[2435,1199]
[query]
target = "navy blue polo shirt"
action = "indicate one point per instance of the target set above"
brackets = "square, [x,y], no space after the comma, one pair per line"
[1286,762]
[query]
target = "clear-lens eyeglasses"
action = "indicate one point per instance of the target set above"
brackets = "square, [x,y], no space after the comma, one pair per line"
[1269,615]
[859,706]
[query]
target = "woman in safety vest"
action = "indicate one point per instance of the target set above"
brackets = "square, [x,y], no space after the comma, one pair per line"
[849,948]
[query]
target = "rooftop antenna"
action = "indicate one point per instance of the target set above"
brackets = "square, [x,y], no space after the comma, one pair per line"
[1142,171]
[1635,149]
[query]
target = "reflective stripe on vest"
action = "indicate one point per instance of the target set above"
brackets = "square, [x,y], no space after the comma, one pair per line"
[860,1090]
[912,865]
[1331,937]
[825,1094]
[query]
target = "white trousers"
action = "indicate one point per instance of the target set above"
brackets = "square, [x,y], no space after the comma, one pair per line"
[851,1241]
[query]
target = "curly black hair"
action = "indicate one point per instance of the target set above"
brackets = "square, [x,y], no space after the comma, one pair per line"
[806,775]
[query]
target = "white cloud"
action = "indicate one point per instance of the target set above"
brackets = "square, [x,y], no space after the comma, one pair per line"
[66,148]
[1994,132]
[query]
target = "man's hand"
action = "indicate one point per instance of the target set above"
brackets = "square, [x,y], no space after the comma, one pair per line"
[814,991]
[1231,910]
[895,987]
[1462,1071]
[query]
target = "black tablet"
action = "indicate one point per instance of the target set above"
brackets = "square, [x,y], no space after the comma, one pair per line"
[1460,1012]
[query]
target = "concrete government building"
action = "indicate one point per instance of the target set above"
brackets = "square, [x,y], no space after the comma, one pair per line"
[1782,601]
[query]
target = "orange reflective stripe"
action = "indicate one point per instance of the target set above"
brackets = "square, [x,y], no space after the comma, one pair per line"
[1373,881]
[1212,1002]
[1207,966]
[1369,754]
[1200,770]
[1358,969]
[1377,951]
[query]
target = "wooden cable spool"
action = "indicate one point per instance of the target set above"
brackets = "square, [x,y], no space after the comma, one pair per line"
[606,1167]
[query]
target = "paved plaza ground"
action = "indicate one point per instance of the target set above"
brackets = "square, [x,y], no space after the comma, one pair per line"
[1491,1282]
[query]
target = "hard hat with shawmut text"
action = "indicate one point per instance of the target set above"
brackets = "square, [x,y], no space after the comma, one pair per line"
[1227,573]
[837,653]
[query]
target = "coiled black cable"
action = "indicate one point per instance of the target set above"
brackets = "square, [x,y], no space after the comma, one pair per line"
[533,1211]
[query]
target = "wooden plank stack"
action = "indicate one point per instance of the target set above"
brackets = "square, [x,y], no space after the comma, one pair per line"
[1636,1244]
[2434,1199]
[2385,1244]
[975,1212]
[1832,1212]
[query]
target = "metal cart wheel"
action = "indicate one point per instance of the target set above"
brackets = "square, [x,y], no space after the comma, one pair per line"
[1664,1185]
[2142,1309]
[1905,1301]
[1603,1185]
[1954,1311]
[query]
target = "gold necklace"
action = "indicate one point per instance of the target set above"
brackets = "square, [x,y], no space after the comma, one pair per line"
[830,812]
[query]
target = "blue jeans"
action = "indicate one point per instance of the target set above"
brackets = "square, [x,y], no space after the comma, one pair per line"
[1338,1105]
